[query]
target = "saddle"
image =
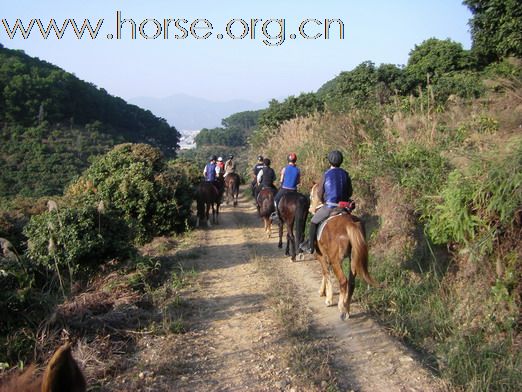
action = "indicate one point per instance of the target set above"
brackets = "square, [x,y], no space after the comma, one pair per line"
[343,208]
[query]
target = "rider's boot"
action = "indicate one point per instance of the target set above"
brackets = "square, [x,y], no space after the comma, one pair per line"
[309,245]
[275,215]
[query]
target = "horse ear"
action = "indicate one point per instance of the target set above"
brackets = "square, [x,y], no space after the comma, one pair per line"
[63,373]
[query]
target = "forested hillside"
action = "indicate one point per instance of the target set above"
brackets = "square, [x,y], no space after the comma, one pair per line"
[52,122]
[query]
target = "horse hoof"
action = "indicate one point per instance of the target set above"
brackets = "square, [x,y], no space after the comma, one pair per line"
[328,302]
[280,246]
[321,293]
[343,316]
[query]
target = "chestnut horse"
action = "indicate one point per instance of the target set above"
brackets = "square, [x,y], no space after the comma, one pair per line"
[207,197]
[342,236]
[265,208]
[62,374]
[232,181]
[293,211]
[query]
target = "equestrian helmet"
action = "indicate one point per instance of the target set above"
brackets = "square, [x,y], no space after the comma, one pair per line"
[260,158]
[231,157]
[335,158]
[267,162]
[212,158]
[292,157]
[220,159]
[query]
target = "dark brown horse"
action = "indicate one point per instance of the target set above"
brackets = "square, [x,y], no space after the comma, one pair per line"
[342,236]
[62,374]
[232,181]
[207,197]
[293,211]
[265,208]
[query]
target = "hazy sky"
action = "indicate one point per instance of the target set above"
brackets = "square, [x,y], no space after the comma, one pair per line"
[383,31]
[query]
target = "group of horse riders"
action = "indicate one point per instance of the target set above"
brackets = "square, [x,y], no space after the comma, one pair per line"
[216,170]
[334,189]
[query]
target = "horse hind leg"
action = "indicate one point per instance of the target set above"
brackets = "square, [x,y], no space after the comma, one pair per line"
[343,286]
[351,288]
[329,289]
[324,270]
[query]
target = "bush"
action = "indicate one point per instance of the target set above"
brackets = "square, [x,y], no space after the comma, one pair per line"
[76,238]
[480,205]
[134,180]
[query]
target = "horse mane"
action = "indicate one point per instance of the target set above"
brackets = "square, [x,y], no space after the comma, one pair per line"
[62,374]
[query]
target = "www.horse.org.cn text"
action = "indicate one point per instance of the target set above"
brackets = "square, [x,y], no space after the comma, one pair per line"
[271,32]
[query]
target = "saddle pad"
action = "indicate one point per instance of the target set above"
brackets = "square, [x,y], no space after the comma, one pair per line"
[323,223]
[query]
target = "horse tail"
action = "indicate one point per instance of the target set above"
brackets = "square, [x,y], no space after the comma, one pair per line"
[359,260]
[301,213]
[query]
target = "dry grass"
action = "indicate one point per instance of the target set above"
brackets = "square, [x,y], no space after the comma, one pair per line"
[308,358]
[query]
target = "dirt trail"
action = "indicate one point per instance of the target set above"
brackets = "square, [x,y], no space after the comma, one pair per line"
[234,341]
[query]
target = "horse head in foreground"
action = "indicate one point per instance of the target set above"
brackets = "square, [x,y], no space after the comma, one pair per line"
[342,236]
[293,211]
[207,197]
[265,208]
[232,181]
[62,374]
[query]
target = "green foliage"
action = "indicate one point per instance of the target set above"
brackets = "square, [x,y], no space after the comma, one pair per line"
[134,180]
[52,123]
[75,239]
[355,88]
[475,363]
[464,84]
[243,120]
[42,160]
[232,137]
[292,107]
[16,279]
[419,169]
[479,205]
[434,58]
[496,27]
[234,133]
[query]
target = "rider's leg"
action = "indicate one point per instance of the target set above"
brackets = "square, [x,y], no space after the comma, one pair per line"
[309,245]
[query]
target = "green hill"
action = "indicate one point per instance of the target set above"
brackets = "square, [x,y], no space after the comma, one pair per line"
[51,123]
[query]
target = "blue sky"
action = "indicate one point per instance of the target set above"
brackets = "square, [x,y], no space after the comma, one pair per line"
[225,69]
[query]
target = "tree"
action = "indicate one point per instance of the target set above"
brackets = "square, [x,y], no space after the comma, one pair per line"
[496,28]
[435,57]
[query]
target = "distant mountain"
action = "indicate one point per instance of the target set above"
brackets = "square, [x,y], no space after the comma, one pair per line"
[186,112]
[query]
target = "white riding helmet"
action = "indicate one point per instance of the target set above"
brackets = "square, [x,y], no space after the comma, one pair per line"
[220,159]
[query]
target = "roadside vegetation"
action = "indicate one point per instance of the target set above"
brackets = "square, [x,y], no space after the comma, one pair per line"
[434,149]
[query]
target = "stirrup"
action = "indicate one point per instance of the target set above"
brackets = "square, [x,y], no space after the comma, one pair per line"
[305,247]
[274,216]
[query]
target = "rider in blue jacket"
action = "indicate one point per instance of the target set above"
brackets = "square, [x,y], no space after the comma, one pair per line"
[210,169]
[290,178]
[335,186]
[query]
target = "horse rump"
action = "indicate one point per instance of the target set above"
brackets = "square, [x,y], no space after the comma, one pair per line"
[293,211]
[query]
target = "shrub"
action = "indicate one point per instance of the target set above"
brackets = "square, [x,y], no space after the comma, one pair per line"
[134,180]
[480,205]
[76,238]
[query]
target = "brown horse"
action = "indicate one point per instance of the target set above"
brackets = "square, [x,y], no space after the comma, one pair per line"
[62,374]
[342,236]
[207,197]
[232,181]
[265,208]
[293,211]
